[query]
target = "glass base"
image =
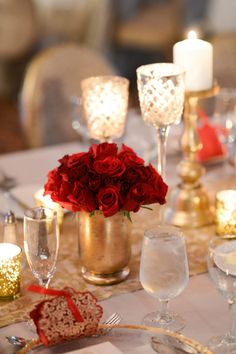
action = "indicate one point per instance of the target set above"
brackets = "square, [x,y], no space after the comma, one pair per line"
[10,297]
[172,321]
[223,344]
[105,279]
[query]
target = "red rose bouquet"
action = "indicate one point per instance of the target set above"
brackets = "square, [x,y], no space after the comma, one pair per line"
[105,179]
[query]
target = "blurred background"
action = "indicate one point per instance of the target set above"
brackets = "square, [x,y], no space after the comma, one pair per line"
[127,33]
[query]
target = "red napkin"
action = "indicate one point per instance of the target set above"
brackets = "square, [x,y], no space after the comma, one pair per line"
[68,315]
[209,136]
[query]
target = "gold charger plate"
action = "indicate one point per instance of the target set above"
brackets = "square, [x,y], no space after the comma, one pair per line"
[128,337]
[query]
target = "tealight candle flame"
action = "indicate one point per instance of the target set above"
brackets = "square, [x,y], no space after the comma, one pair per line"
[192,35]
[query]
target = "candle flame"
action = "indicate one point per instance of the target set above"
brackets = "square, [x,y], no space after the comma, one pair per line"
[192,35]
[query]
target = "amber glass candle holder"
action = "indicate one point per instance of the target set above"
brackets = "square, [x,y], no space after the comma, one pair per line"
[10,271]
[226,212]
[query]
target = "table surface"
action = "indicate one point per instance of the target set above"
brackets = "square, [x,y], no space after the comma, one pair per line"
[203,308]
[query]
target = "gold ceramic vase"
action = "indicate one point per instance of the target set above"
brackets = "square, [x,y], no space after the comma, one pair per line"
[104,247]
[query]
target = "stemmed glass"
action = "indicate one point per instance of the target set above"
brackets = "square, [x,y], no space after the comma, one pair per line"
[164,273]
[41,242]
[161,96]
[222,269]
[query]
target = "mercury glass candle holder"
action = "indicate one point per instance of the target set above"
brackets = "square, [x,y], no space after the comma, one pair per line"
[161,95]
[45,200]
[10,271]
[226,212]
[105,103]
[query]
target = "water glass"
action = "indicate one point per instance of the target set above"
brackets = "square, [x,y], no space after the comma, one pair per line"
[224,116]
[164,272]
[221,262]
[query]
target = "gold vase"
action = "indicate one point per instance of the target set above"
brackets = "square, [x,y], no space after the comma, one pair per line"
[104,247]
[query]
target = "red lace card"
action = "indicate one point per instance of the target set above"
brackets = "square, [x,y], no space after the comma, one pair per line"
[67,316]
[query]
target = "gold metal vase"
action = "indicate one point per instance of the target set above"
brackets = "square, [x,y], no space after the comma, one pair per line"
[104,247]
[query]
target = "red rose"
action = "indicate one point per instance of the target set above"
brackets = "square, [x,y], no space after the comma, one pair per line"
[129,157]
[109,166]
[82,199]
[103,150]
[76,159]
[61,195]
[156,181]
[109,200]
[135,174]
[103,179]
[53,183]
[137,196]
[94,181]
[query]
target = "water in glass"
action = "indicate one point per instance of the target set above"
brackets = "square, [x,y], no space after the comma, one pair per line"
[222,269]
[164,272]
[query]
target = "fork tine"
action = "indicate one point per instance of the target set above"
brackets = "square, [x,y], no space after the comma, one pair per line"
[113,318]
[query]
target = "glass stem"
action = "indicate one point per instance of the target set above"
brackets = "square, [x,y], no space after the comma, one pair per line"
[44,283]
[162,134]
[164,317]
[231,335]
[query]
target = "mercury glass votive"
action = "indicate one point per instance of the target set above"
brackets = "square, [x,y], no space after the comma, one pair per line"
[10,271]
[226,212]
[46,201]
[105,103]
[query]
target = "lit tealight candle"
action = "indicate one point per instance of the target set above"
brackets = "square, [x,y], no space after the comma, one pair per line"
[46,201]
[10,270]
[226,212]
[195,56]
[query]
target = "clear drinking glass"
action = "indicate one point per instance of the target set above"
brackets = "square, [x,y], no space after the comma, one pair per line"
[222,269]
[41,242]
[164,273]
[105,103]
[224,118]
[161,95]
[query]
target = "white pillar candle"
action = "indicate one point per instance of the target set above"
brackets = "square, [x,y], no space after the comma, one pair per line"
[195,56]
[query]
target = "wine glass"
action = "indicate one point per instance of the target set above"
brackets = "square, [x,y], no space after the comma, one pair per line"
[41,242]
[161,95]
[221,262]
[105,103]
[164,273]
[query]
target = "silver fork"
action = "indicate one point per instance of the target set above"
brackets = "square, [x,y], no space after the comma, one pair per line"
[115,318]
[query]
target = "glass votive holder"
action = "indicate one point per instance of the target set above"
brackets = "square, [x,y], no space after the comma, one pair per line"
[226,212]
[10,271]
[46,201]
[105,103]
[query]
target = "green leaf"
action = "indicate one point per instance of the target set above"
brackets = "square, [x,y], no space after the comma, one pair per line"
[92,213]
[145,207]
[127,214]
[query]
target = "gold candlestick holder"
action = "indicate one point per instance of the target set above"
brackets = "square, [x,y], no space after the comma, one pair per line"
[189,204]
